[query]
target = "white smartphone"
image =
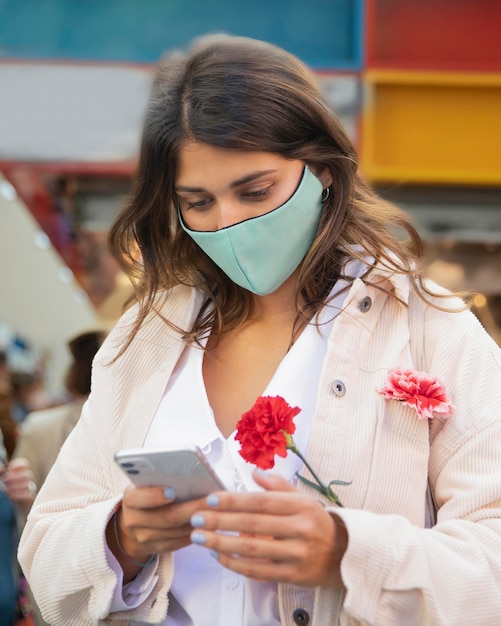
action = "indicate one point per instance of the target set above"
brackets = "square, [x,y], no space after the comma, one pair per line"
[184,469]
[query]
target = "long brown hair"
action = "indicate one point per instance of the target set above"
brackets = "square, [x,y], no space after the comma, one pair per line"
[244,94]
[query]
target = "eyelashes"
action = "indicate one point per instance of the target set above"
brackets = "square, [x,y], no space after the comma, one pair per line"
[259,194]
[247,196]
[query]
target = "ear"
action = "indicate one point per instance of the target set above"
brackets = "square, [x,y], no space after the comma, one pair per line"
[323,174]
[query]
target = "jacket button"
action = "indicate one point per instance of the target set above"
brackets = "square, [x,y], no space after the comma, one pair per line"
[338,387]
[301,616]
[365,304]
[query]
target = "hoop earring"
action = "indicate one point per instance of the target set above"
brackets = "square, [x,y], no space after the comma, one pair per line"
[325,194]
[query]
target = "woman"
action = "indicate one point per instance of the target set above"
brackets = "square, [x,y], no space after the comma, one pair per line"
[265,266]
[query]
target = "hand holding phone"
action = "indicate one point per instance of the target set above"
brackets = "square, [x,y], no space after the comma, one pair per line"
[184,469]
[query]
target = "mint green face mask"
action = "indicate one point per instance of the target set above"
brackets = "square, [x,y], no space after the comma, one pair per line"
[260,253]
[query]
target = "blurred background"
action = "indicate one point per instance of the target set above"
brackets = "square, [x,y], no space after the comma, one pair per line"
[417,86]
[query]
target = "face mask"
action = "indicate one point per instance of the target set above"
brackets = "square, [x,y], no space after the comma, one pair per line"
[260,253]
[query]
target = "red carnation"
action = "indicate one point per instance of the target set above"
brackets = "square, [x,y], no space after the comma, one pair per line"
[266,430]
[261,430]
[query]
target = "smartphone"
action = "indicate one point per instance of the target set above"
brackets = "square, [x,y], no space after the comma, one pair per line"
[184,469]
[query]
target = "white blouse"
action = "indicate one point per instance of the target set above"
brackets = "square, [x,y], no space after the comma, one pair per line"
[200,590]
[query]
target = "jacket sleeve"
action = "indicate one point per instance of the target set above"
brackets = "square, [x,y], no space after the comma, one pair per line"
[62,549]
[396,573]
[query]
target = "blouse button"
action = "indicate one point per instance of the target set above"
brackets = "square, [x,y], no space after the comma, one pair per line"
[365,304]
[301,616]
[338,387]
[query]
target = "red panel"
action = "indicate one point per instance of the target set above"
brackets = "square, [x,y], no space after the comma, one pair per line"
[31,189]
[84,252]
[460,35]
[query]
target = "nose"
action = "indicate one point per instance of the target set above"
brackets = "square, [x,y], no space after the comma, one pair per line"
[227,214]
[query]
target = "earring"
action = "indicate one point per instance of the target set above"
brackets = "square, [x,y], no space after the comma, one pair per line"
[325,194]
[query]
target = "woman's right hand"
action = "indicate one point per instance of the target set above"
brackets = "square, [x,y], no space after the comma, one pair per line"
[149,522]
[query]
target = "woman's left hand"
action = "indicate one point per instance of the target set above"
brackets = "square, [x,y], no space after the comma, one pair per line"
[18,481]
[283,535]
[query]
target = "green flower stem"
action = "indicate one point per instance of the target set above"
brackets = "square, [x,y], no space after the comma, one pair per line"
[324,489]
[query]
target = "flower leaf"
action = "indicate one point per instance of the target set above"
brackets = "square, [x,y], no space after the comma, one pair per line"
[310,483]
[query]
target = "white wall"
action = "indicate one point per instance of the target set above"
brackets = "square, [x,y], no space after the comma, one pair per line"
[39,297]
[71,111]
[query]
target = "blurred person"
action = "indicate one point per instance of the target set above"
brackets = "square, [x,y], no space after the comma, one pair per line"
[28,394]
[8,426]
[64,191]
[4,370]
[43,432]
[17,492]
[269,267]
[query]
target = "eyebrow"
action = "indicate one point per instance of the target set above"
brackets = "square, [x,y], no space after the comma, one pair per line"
[241,181]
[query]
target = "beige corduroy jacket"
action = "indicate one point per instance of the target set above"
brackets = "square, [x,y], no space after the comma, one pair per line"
[396,572]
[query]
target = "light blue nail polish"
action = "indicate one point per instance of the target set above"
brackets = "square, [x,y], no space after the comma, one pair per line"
[169,493]
[212,500]
[198,538]
[214,554]
[197,521]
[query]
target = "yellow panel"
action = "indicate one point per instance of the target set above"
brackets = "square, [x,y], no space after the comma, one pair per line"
[423,127]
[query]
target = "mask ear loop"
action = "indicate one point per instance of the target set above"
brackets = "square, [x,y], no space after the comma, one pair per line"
[325,194]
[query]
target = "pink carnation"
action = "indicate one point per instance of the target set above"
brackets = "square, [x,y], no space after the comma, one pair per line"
[419,390]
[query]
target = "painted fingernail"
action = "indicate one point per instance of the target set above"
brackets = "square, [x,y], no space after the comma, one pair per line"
[214,554]
[169,493]
[212,500]
[197,521]
[198,538]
